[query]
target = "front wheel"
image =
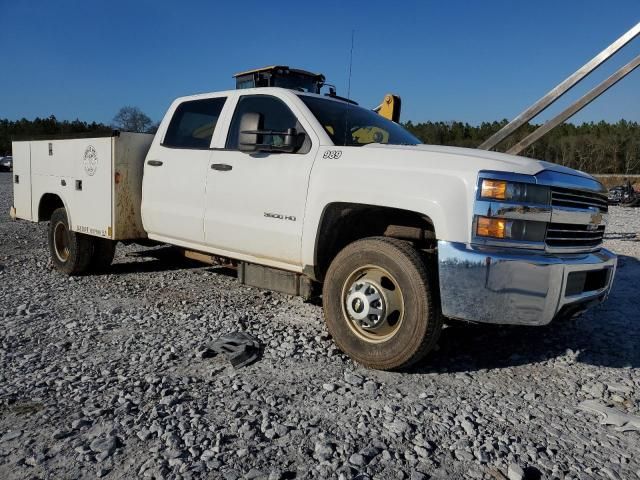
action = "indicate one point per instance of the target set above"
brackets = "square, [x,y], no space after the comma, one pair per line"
[379,305]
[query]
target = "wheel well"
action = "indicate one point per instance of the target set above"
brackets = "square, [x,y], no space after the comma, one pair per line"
[344,223]
[48,204]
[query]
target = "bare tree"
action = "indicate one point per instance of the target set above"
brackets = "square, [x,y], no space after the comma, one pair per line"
[132,119]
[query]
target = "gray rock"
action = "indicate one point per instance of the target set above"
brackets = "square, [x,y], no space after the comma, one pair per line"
[174,453]
[468,427]
[230,475]
[596,389]
[11,435]
[253,474]
[399,426]
[370,387]
[60,434]
[421,451]
[169,400]
[80,423]
[280,429]
[102,456]
[482,456]
[353,379]
[464,455]
[207,455]
[370,452]
[101,472]
[515,472]
[106,445]
[323,450]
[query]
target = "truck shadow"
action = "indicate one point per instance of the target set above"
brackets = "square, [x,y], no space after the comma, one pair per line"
[606,336]
[158,259]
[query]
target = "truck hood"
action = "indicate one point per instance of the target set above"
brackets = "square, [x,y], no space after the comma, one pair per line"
[484,159]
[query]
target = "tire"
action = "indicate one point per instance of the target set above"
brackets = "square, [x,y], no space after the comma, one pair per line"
[103,253]
[394,272]
[70,251]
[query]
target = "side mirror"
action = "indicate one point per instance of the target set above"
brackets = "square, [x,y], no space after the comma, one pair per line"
[253,137]
[250,124]
[292,141]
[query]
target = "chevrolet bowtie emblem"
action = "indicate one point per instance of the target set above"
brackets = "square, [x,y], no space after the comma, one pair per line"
[596,218]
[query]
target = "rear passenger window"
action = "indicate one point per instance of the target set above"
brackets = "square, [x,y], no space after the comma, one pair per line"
[193,123]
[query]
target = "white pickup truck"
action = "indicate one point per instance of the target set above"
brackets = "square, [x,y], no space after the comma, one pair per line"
[300,190]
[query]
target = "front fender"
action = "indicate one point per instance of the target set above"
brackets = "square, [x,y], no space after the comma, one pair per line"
[444,197]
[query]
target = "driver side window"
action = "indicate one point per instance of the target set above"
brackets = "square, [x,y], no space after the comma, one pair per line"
[276,116]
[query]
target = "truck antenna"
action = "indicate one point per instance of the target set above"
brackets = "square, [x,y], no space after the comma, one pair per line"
[350,65]
[346,117]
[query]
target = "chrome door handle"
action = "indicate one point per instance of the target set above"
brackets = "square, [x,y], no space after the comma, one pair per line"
[154,163]
[223,167]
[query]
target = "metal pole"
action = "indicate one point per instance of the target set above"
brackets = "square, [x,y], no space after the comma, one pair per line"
[560,90]
[576,106]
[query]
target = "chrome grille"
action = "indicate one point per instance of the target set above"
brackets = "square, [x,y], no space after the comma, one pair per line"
[574,236]
[567,197]
[578,235]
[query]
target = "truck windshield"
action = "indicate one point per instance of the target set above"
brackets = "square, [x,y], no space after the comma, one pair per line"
[351,125]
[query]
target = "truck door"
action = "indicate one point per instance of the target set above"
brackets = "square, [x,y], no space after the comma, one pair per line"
[175,173]
[255,202]
[22,179]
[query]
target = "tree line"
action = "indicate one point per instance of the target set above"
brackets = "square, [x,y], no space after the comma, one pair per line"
[128,119]
[21,129]
[592,147]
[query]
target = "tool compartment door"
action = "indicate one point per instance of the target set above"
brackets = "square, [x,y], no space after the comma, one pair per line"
[79,171]
[22,180]
[93,167]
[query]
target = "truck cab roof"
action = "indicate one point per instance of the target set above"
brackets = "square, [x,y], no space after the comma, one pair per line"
[262,91]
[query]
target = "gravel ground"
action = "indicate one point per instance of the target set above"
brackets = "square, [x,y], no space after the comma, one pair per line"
[101,377]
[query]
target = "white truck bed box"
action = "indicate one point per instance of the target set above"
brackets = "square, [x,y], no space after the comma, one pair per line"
[99,180]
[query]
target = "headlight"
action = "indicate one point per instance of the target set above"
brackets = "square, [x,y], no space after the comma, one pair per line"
[506,229]
[511,209]
[514,191]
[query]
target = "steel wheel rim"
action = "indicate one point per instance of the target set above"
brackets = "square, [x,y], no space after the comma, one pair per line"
[61,241]
[372,304]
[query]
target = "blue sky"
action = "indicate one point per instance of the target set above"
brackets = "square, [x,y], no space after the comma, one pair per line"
[449,60]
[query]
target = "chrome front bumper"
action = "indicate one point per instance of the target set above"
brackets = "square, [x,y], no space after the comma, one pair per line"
[519,287]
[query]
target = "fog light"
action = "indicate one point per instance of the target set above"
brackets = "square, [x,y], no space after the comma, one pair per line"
[503,228]
[492,227]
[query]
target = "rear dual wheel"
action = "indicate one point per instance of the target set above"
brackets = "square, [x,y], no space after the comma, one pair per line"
[379,304]
[74,253]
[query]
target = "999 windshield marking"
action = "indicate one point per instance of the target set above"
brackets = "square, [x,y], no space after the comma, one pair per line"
[350,125]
